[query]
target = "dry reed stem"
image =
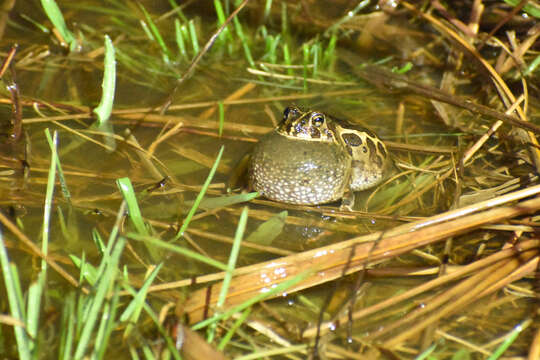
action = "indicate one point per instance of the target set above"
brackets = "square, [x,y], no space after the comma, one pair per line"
[37,251]
[505,94]
[534,350]
[427,286]
[385,79]
[299,78]
[454,299]
[478,144]
[129,140]
[526,269]
[164,135]
[346,257]
[417,194]
[424,149]
[200,158]
[7,61]
[463,342]
[140,112]
[238,94]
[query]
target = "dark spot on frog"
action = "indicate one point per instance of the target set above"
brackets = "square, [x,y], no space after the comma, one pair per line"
[364,149]
[371,147]
[352,139]
[377,160]
[373,157]
[382,150]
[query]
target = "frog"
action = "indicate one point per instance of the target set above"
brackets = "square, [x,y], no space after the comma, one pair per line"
[313,158]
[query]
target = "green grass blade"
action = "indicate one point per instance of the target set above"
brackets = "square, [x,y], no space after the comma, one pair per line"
[532,66]
[67,330]
[147,30]
[49,197]
[226,200]
[267,9]
[148,353]
[261,296]
[316,53]
[57,19]
[287,59]
[330,52]
[133,310]
[157,35]
[88,271]
[221,112]
[53,145]
[243,39]
[18,289]
[170,343]
[230,333]
[104,109]
[104,284]
[33,310]
[426,353]
[233,256]
[100,335]
[98,241]
[509,340]
[225,34]
[107,325]
[193,37]
[180,39]
[531,7]
[200,196]
[305,49]
[284,20]
[36,289]
[178,9]
[177,249]
[41,27]
[15,303]
[126,188]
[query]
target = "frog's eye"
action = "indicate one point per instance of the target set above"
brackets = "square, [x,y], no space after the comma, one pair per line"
[290,111]
[286,113]
[317,120]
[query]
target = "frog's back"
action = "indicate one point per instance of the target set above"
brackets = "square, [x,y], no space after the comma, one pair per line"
[299,172]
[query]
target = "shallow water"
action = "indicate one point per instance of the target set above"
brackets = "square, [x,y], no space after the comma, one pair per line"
[67,86]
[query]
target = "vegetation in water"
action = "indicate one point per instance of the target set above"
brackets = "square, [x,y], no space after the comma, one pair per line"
[124,121]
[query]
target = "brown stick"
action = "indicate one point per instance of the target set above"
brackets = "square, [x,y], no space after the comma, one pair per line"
[329,261]
[25,240]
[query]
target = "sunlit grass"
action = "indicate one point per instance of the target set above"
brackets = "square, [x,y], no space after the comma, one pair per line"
[168,221]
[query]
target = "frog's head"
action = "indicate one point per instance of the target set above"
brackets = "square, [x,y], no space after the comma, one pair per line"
[305,125]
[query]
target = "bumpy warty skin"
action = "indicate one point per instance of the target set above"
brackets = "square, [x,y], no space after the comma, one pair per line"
[299,172]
